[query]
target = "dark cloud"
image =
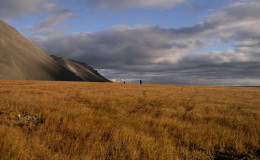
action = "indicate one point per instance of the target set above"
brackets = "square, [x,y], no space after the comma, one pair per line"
[131,4]
[196,7]
[123,45]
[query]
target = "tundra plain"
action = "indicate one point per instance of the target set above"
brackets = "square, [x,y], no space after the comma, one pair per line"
[83,120]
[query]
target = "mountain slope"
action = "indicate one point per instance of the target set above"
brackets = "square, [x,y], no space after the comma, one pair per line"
[80,69]
[21,59]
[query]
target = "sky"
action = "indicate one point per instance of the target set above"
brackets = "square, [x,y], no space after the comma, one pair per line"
[187,42]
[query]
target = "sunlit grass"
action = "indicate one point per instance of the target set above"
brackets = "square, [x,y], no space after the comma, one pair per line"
[115,121]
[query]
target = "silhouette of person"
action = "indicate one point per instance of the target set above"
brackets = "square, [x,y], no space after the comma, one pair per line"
[141,82]
[124,82]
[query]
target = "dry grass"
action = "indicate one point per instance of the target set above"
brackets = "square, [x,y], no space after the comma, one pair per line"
[117,121]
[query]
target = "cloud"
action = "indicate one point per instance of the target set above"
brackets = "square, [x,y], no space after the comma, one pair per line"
[126,46]
[56,17]
[131,4]
[17,8]
[238,21]
[168,55]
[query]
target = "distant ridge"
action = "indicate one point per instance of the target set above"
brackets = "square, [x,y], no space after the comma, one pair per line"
[20,59]
[80,69]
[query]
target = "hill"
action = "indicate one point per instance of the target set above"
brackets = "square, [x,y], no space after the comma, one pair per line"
[20,59]
[82,70]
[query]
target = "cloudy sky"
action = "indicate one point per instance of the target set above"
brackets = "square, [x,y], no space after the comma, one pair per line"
[195,42]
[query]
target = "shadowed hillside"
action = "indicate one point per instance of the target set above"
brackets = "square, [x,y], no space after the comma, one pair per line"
[80,69]
[22,60]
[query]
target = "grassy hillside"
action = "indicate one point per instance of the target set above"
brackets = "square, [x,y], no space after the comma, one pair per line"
[79,120]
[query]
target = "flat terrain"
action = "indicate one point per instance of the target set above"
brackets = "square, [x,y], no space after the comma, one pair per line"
[79,120]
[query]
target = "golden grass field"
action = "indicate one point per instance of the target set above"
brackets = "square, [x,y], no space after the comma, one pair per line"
[81,120]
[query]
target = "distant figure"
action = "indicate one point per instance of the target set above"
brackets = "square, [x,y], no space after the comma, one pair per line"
[141,81]
[124,82]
